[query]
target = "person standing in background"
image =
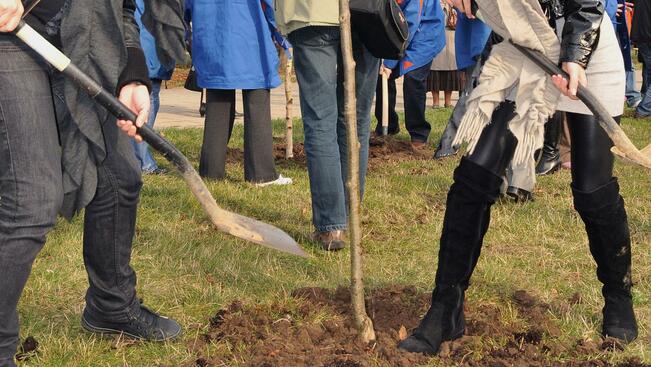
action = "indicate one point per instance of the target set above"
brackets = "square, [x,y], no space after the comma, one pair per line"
[313,29]
[443,75]
[641,36]
[470,46]
[157,73]
[426,40]
[237,52]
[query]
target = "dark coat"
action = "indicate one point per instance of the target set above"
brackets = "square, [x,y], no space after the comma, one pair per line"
[641,28]
[95,35]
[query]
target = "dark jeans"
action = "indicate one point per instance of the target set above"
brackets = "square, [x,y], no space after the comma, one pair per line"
[259,165]
[31,194]
[414,89]
[319,70]
[644,108]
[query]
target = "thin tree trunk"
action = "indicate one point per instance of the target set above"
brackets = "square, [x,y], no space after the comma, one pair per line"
[289,101]
[362,321]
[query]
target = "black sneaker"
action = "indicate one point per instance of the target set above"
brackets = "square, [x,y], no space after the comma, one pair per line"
[146,326]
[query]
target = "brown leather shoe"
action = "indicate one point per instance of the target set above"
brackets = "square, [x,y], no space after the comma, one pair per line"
[329,241]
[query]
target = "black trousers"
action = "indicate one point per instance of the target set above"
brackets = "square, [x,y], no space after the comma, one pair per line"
[259,163]
[414,89]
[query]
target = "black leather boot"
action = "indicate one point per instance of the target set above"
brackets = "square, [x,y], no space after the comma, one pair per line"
[467,216]
[550,156]
[604,215]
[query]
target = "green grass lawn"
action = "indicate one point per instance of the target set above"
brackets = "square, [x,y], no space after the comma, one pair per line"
[187,270]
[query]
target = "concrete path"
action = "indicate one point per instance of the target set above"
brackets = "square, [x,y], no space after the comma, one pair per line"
[180,107]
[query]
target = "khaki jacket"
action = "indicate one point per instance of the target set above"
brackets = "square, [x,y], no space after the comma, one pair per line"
[294,14]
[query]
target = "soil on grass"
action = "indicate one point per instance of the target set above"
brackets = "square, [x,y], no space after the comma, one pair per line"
[381,150]
[313,329]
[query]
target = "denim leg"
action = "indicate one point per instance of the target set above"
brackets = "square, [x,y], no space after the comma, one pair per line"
[644,108]
[394,128]
[315,61]
[30,178]
[143,154]
[109,227]
[415,94]
[632,95]
[366,68]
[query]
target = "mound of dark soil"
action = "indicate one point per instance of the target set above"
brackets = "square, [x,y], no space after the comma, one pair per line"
[381,150]
[316,332]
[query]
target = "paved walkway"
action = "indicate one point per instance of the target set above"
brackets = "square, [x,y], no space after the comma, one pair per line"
[180,107]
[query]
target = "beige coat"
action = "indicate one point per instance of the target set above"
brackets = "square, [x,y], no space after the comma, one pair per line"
[294,14]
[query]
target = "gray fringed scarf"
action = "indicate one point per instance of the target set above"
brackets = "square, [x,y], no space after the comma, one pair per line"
[507,71]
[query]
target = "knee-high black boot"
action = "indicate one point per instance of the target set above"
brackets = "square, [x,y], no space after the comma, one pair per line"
[466,221]
[476,187]
[550,156]
[604,215]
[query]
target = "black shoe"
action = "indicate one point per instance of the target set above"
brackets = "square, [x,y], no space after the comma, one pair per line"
[548,164]
[147,325]
[444,321]
[619,317]
[518,195]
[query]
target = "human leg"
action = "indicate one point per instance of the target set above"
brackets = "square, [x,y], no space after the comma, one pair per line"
[447,98]
[644,108]
[30,178]
[315,60]
[220,116]
[476,187]
[598,202]
[109,229]
[414,90]
[259,165]
[143,154]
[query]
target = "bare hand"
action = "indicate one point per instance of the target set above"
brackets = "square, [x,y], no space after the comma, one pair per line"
[465,6]
[136,97]
[577,76]
[385,71]
[11,12]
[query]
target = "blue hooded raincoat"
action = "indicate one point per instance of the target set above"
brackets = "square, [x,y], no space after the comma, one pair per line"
[426,34]
[233,43]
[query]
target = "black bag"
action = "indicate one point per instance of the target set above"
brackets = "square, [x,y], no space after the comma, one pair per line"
[381,26]
[191,81]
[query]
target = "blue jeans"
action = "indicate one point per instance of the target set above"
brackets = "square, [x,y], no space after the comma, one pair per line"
[319,70]
[31,194]
[644,108]
[632,95]
[147,161]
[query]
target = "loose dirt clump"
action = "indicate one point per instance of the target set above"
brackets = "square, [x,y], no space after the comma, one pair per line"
[313,328]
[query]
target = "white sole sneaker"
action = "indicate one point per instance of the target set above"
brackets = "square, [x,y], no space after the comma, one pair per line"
[281,180]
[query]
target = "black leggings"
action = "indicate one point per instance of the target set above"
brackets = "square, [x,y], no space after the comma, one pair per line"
[592,161]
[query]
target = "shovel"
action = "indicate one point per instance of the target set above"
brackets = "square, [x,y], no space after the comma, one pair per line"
[385,105]
[623,148]
[232,223]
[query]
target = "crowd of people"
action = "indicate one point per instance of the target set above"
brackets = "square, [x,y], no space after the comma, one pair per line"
[60,153]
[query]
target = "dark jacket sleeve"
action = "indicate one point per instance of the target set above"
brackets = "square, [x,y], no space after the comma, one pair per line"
[581,31]
[136,67]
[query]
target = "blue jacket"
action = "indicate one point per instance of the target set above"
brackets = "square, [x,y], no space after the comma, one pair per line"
[148,43]
[621,30]
[470,40]
[426,34]
[232,45]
